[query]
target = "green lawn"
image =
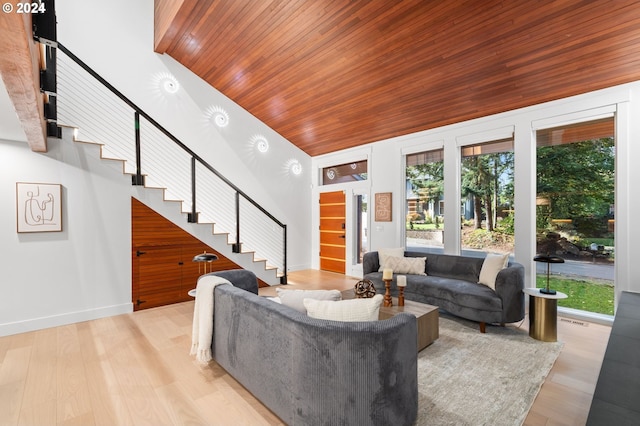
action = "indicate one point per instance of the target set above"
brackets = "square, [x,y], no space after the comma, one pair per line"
[583,295]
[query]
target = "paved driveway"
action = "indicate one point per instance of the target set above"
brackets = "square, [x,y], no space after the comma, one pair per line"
[570,267]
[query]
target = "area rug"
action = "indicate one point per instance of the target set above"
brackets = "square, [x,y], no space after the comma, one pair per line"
[469,378]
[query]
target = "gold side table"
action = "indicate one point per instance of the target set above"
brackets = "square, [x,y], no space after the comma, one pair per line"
[543,314]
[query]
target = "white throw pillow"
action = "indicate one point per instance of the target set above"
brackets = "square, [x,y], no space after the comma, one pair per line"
[492,264]
[345,310]
[383,255]
[294,298]
[407,265]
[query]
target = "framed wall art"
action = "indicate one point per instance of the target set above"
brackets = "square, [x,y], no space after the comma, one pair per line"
[383,207]
[39,207]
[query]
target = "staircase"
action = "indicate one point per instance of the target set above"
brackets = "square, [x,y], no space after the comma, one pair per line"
[167,176]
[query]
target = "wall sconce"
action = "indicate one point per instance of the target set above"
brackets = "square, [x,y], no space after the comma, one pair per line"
[260,142]
[218,115]
[295,167]
[165,82]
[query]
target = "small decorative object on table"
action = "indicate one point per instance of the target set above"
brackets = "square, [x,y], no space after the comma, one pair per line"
[545,258]
[365,289]
[387,276]
[401,283]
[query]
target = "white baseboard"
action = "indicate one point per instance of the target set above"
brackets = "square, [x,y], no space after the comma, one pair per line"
[63,319]
[301,267]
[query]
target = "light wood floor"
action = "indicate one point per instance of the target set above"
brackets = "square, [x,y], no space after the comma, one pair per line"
[136,369]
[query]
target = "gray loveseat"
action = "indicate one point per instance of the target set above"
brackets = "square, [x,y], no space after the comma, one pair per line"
[451,284]
[315,372]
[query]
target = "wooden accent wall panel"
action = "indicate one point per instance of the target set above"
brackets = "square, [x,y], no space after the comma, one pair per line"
[161,257]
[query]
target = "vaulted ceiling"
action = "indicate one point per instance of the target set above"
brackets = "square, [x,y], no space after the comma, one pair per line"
[334,74]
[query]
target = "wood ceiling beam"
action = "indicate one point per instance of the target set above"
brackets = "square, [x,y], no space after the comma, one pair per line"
[20,60]
[168,18]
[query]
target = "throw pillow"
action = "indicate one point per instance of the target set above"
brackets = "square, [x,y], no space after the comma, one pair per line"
[383,255]
[345,310]
[492,264]
[407,265]
[294,298]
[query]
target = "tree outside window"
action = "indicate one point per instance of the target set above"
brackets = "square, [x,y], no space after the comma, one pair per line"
[487,197]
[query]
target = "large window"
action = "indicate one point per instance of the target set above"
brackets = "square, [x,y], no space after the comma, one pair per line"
[487,198]
[425,200]
[575,214]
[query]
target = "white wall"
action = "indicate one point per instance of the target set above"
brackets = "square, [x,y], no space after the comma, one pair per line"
[387,173]
[84,272]
[81,273]
[115,38]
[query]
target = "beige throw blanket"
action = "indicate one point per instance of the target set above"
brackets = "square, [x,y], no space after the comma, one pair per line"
[202,329]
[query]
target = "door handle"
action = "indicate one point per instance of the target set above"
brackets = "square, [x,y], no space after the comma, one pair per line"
[341,236]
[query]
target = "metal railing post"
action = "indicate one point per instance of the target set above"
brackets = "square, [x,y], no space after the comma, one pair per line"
[237,247]
[137,179]
[193,216]
[283,278]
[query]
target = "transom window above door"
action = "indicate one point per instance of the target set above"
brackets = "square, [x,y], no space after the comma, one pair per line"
[348,172]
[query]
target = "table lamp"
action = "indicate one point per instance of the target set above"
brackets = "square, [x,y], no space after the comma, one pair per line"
[545,258]
[205,258]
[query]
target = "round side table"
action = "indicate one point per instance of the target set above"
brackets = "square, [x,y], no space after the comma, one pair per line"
[543,314]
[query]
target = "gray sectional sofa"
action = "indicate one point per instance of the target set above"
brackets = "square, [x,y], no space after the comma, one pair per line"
[451,283]
[315,372]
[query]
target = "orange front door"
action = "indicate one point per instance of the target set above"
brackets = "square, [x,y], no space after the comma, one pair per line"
[333,231]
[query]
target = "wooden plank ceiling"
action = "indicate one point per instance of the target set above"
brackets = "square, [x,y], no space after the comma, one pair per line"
[334,74]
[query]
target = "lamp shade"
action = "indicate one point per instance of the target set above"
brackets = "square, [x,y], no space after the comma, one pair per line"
[545,258]
[205,257]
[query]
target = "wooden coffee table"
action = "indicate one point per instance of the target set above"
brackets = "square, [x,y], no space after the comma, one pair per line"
[427,316]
